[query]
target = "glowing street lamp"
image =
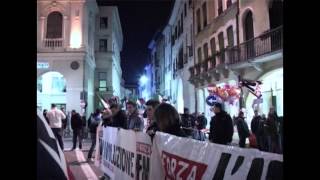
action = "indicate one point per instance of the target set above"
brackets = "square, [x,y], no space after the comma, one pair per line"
[143,79]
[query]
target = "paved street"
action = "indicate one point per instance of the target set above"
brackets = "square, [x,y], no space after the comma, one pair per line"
[77,161]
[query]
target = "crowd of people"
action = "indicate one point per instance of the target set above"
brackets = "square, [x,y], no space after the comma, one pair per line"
[265,134]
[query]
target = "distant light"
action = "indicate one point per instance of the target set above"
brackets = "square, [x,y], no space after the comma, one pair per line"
[75,41]
[143,79]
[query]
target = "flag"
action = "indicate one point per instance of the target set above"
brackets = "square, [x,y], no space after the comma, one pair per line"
[105,105]
[51,163]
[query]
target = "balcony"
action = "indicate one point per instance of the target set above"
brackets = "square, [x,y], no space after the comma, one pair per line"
[53,43]
[268,43]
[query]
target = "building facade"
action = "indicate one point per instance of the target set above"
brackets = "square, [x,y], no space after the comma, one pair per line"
[178,36]
[108,45]
[241,39]
[67,56]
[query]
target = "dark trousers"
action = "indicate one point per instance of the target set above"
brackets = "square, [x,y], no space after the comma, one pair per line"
[58,134]
[93,144]
[77,133]
[260,142]
[242,141]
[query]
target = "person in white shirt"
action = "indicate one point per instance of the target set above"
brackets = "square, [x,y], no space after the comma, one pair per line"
[55,117]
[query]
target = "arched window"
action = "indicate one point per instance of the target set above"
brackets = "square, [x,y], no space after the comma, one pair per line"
[54,25]
[249,35]
[248,26]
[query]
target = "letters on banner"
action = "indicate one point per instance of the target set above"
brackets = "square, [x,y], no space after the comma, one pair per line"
[125,154]
[131,155]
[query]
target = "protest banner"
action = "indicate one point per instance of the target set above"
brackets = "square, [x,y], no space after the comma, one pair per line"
[184,158]
[125,154]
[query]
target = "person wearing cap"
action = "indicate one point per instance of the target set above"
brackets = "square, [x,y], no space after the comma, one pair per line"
[221,126]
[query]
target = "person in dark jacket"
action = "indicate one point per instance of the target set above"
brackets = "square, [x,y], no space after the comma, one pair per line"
[106,118]
[119,117]
[186,119]
[152,126]
[134,121]
[257,128]
[271,130]
[221,126]
[243,129]
[188,122]
[94,123]
[76,125]
[168,120]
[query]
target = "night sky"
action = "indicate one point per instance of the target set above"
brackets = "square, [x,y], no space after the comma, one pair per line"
[140,20]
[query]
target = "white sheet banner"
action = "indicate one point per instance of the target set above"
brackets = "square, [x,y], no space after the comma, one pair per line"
[125,154]
[182,158]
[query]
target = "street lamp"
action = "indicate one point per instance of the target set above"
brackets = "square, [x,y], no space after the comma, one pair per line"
[143,79]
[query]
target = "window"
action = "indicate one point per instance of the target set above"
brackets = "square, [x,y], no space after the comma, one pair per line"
[230,36]
[173,39]
[221,41]
[103,45]
[229,2]
[204,14]
[248,26]
[213,46]
[185,9]
[198,21]
[176,33]
[221,46]
[199,55]
[181,23]
[58,84]
[191,46]
[102,81]
[180,59]
[179,29]
[220,10]
[103,22]
[205,51]
[54,25]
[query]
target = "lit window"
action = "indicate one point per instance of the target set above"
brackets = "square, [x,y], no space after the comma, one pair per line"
[102,81]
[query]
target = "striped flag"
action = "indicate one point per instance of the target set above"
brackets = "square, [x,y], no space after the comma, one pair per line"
[51,163]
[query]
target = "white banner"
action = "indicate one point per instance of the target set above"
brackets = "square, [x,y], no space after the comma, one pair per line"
[182,158]
[125,154]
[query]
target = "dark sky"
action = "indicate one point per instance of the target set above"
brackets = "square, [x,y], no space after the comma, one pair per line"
[140,20]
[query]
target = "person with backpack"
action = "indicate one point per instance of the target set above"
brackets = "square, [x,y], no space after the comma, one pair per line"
[94,122]
[243,129]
